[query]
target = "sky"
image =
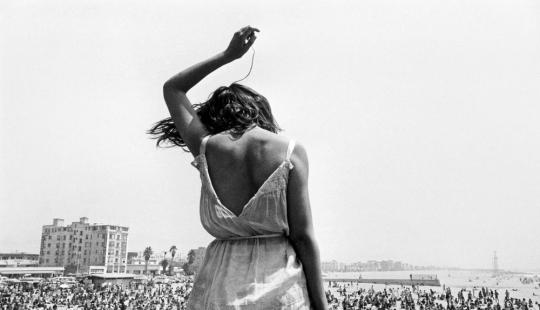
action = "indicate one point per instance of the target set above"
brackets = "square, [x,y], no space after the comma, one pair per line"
[421,120]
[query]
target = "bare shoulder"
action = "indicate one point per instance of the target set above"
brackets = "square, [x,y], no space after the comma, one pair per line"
[266,141]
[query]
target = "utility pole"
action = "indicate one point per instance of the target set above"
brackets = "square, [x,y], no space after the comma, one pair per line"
[495,264]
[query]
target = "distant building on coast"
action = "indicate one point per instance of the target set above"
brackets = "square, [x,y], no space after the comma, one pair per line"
[84,248]
[136,263]
[370,265]
[331,266]
[20,259]
[19,255]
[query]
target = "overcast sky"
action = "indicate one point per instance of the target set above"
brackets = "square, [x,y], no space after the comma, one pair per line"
[421,120]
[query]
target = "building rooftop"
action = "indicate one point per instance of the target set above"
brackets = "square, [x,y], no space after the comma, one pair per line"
[113,276]
[31,270]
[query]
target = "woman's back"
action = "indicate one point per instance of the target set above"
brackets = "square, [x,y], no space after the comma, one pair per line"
[254,201]
[238,167]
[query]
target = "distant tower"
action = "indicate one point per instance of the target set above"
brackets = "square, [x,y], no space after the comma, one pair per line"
[495,264]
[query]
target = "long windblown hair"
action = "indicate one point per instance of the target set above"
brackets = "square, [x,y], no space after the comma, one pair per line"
[236,108]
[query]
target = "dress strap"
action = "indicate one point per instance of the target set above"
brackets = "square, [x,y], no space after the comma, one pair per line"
[202,149]
[290,149]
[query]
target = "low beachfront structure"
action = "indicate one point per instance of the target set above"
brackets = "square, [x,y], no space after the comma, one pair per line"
[42,272]
[107,279]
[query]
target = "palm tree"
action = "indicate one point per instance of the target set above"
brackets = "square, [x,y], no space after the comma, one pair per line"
[147,253]
[186,269]
[164,263]
[173,253]
[191,257]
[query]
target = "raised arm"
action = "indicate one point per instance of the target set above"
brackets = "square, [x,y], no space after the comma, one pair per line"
[301,231]
[175,89]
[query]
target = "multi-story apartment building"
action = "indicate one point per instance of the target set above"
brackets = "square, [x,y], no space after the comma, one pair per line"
[81,245]
[199,257]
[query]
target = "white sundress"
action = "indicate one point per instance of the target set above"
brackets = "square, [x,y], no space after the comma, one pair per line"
[251,264]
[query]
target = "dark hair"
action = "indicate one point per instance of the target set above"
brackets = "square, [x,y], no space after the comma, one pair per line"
[236,108]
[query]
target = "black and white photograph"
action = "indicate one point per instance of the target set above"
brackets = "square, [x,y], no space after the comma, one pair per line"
[247,155]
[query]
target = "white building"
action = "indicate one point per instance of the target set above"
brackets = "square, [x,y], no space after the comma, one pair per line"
[81,245]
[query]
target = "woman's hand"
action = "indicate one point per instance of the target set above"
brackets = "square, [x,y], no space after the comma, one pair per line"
[242,40]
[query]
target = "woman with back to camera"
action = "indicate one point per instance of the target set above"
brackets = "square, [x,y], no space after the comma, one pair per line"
[254,196]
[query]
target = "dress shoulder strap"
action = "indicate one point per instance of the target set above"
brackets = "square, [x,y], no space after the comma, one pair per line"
[202,149]
[290,149]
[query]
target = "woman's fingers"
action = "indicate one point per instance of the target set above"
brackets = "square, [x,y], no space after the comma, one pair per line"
[251,41]
[248,31]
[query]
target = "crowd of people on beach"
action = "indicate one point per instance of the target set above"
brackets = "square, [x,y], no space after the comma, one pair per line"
[152,296]
[414,298]
[147,296]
